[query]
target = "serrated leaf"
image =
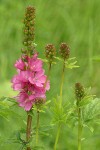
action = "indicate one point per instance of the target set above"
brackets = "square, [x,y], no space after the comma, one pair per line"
[86,100]
[58,112]
[6,109]
[92,111]
[87,90]
[8,101]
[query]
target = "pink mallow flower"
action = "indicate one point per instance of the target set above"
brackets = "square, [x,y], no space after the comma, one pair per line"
[29,81]
[35,64]
[20,64]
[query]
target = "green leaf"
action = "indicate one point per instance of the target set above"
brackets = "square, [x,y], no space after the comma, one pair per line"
[58,58]
[82,139]
[91,112]
[88,91]
[71,58]
[6,108]
[54,63]
[41,107]
[89,127]
[58,112]
[47,102]
[44,60]
[4,115]
[44,133]
[86,100]
[71,65]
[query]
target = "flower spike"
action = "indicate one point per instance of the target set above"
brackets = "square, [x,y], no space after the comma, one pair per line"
[64,51]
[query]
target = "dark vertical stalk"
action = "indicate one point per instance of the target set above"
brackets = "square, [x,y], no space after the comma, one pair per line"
[28,129]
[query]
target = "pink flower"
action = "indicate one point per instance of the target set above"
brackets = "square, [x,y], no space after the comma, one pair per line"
[24,101]
[20,64]
[19,81]
[29,81]
[38,79]
[35,64]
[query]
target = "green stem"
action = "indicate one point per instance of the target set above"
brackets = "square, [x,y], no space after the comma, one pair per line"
[62,82]
[49,69]
[37,127]
[61,89]
[79,129]
[28,129]
[57,137]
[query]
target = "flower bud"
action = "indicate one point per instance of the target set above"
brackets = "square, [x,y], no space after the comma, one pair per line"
[64,51]
[79,92]
[23,51]
[29,28]
[39,102]
[50,52]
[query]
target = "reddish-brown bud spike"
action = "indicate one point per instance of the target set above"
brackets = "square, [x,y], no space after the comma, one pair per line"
[79,92]
[64,51]
[29,29]
[39,102]
[50,52]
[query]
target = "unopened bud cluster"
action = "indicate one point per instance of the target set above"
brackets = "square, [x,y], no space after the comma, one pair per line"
[79,91]
[29,28]
[39,102]
[64,51]
[50,52]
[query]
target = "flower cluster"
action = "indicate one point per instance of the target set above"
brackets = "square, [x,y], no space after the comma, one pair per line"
[50,52]
[28,29]
[64,51]
[30,81]
[79,91]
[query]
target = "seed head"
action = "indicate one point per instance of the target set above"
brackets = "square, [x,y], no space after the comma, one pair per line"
[64,51]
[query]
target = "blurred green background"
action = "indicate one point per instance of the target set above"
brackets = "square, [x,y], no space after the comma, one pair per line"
[73,21]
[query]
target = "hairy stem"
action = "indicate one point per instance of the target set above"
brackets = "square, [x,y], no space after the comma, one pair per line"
[79,129]
[62,82]
[57,137]
[28,130]
[37,127]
